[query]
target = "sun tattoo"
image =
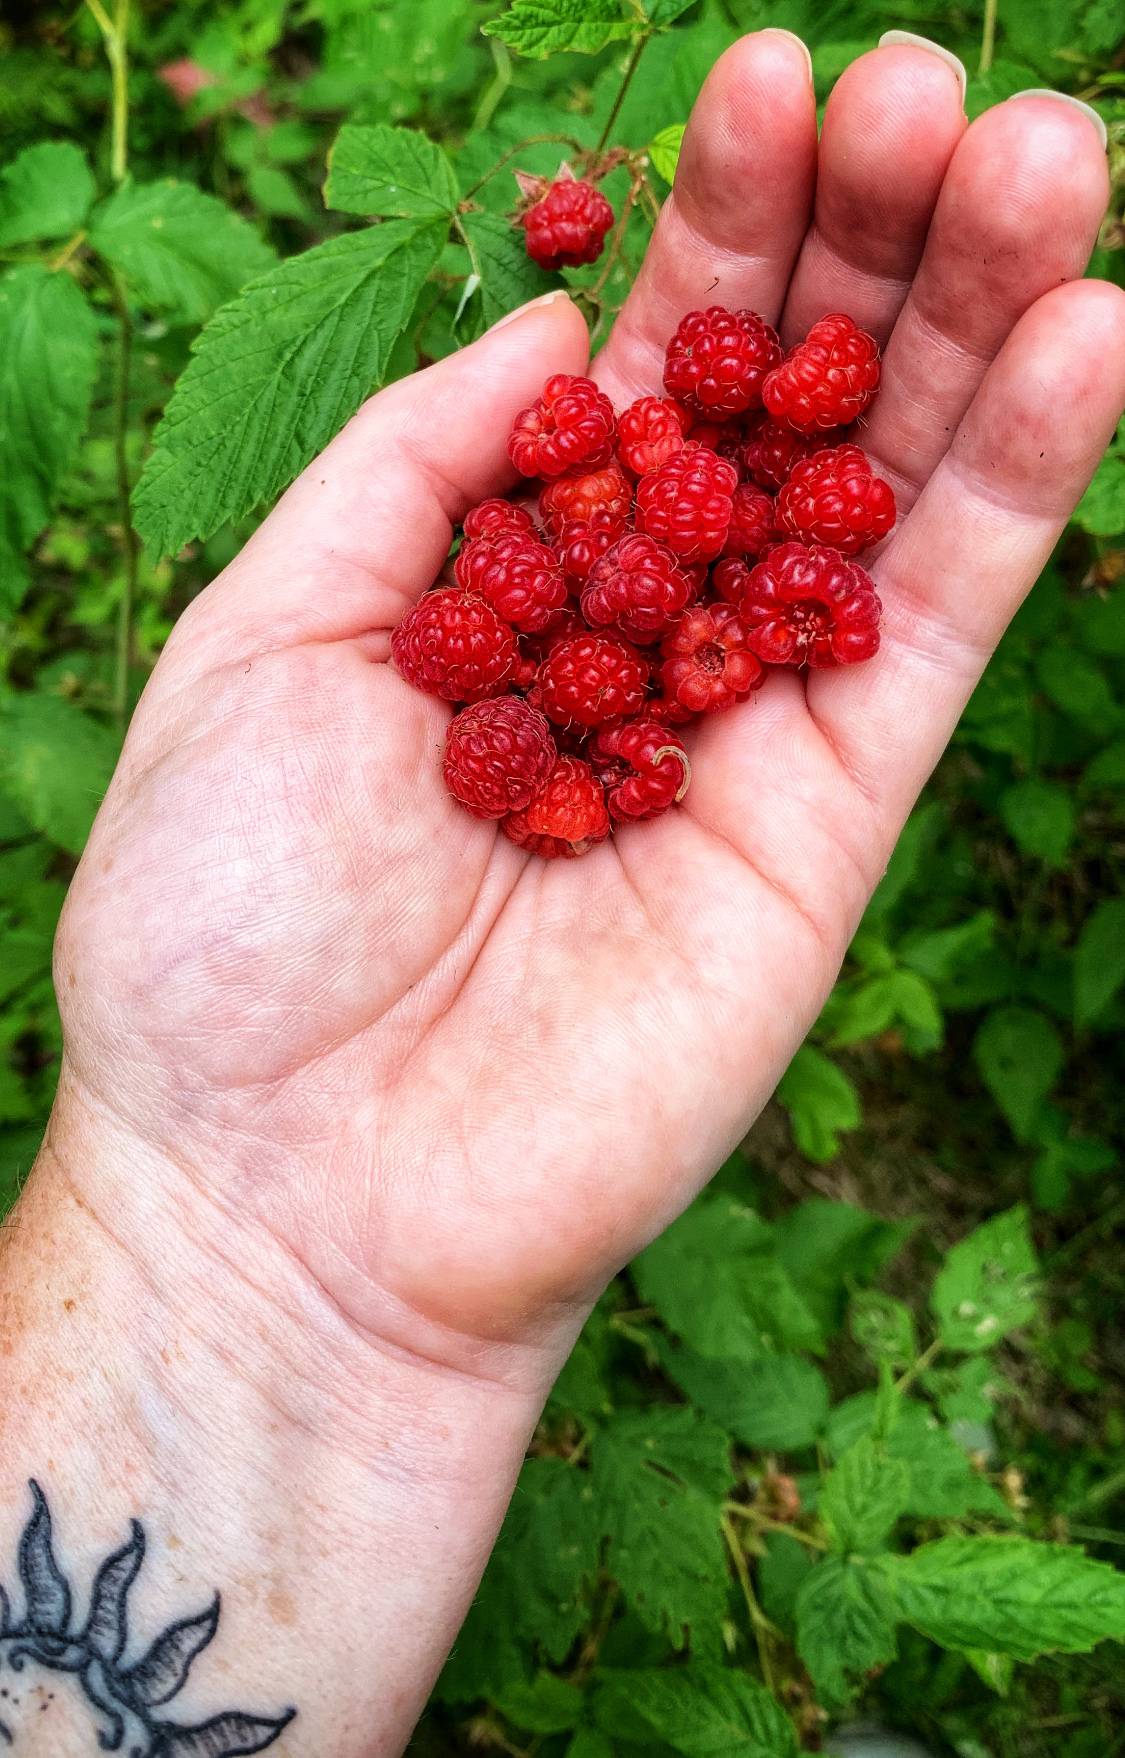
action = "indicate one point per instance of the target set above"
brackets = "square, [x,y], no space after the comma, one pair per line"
[47,1648]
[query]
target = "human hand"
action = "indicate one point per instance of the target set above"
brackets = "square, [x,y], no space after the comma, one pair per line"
[461,1087]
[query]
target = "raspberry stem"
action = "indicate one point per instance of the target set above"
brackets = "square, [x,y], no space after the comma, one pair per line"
[685,760]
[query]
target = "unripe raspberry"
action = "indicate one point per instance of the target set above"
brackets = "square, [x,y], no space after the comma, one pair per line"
[751,527]
[518,576]
[810,606]
[649,432]
[708,663]
[452,644]
[687,503]
[499,518]
[639,586]
[566,818]
[568,225]
[571,427]
[835,498]
[826,380]
[642,766]
[770,452]
[717,360]
[498,755]
[570,498]
[589,679]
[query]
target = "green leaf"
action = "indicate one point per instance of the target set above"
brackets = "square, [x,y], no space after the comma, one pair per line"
[1039,815]
[699,1711]
[776,1402]
[864,1496]
[781,1569]
[48,358]
[1099,960]
[845,1625]
[396,172]
[664,150]
[883,1327]
[1101,511]
[181,251]
[548,1705]
[943,1483]
[508,277]
[659,1479]
[1077,687]
[821,1101]
[988,1285]
[538,28]
[1019,1054]
[1008,1595]
[44,193]
[830,1247]
[275,374]
[994,1670]
[589,1743]
[55,765]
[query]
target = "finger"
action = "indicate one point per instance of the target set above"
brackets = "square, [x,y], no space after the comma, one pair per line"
[366,527]
[954,574]
[1018,214]
[731,228]
[890,129]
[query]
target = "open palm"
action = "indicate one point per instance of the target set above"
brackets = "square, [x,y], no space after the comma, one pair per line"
[463,1085]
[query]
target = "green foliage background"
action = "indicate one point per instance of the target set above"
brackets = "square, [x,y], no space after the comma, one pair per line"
[851,1437]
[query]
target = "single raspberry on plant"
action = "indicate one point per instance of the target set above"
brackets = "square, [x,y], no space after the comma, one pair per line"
[582,541]
[642,766]
[588,679]
[752,521]
[810,606]
[571,427]
[826,380]
[499,518]
[770,452]
[568,815]
[649,432]
[498,755]
[717,360]
[580,496]
[452,644]
[687,503]
[567,226]
[639,586]
[835,498]
[519,577]
[708,662]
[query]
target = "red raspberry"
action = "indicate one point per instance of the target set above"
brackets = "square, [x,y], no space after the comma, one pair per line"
[770,452]
[571,427]
[708,663]
[826,380]
[813,606]
[454,645]
[667,712]
[687,502]
[717,360]
[520,578]
[639,585]
[729,578]
[580,497]
[751,526]
[650,431]
[568,622]
[566,817]
[498,756]
[497,518]
[567,227]
[834,498]
[580,543]
[642,766]
[590,679]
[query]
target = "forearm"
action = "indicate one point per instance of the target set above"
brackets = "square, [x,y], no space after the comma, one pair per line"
[341,1496]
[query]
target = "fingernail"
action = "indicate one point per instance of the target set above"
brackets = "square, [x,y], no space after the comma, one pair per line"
[908,39]
[1046,91]
[543,299]
[776,31]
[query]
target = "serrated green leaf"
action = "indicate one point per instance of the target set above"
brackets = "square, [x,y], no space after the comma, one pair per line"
[1019,1054]
[55,765]
[776,1402]
[699,1711]
[664,150]
[883,1327]
[396,172]
[863,1497]
[508,277]
[1039,815]
[1008,1595]
[1101,511]
[275,374]
[943,1483]
[48,358]
[829,1248]
[821,1102]
[1099,960]
[548,1705]
[183,252]
[45,193]
[780,1571]
[994,1670]
[988,1285]
[845,1626]
[538,28]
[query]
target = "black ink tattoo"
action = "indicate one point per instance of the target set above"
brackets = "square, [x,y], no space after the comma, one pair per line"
[122,1695]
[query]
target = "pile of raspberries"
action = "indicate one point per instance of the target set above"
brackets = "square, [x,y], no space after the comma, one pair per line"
[677,552]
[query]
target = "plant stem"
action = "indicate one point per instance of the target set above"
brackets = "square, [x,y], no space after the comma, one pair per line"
[924,1360]
[623,88]
[759,1623]
[765,1524]
[512,152]
[129,547]
[987,37]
